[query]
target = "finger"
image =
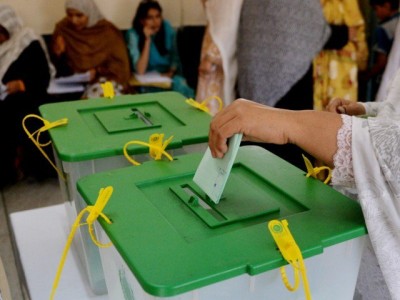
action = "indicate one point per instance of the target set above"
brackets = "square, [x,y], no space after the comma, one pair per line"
[333,104]
[219,137]
[341,109]
[353,109]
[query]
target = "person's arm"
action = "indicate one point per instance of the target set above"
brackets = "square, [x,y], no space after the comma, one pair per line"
[139,58]
[31,72]
[143,61]
[313,131]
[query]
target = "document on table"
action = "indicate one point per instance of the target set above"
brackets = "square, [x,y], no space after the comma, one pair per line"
[212,173]
[69,84]
[152,77]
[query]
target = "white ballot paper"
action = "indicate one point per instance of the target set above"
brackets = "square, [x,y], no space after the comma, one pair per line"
[212,173]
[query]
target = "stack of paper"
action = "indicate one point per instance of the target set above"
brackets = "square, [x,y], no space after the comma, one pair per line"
[151,79]
[69,84]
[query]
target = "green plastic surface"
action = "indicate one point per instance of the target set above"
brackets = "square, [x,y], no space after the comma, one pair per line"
[173,242]
[101,127]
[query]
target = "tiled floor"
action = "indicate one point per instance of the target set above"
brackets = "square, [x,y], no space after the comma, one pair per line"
[24,195]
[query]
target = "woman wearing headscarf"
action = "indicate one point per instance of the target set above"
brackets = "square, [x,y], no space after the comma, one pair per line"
[25,74]
[85,41]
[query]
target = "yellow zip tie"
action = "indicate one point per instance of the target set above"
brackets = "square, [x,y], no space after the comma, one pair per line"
[203,105]
[108,90]
[47,125]
[313,172]
[94,212]
[156,147]
[291,253]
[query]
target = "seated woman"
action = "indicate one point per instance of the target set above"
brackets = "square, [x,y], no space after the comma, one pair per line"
[152,46]
[365,155]
[84,41]
[25,74]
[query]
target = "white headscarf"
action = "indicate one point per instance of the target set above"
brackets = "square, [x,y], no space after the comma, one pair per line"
[20,38]
[88,8]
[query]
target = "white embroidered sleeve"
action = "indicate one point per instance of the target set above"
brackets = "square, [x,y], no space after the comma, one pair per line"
[371,108]
[342,174]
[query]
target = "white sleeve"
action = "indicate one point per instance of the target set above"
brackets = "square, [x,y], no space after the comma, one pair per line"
[371,108]
[342,174]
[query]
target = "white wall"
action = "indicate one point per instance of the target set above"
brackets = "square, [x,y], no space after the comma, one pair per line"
[42,15]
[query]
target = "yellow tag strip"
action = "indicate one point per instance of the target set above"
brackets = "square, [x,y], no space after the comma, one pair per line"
[313,172]
[94,212]
[156,147]
[47,125]
[203,105]
[108,90]
[291,253]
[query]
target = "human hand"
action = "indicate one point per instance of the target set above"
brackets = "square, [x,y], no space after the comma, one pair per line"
[342,106]
[148,31]
[15,86]
[92,75]
[170,73]
[257,122]
[59,45]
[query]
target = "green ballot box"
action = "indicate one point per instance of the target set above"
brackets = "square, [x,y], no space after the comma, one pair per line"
[170,241]
[94,137]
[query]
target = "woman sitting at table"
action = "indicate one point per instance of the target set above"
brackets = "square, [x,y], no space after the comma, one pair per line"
[24,77]
[152,46]
[85,42]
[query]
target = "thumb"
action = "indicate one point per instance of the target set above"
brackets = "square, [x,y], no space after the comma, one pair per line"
[351,109]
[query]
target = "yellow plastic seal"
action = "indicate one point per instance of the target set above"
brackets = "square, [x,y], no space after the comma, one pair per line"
[108,90]
[291,253]
[94,212]
[156,145]
[313,172]
[47,125]
[203,105]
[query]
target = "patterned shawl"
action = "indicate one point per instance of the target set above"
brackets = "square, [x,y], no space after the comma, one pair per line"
[276,44]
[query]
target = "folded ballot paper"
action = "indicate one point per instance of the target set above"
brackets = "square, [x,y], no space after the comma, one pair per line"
[212,173]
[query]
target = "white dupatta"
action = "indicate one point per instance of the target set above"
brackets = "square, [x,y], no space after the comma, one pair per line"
[376,164]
